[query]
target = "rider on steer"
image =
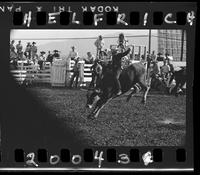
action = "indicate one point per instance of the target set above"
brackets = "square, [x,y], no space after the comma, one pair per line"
[96,69]
[117,68]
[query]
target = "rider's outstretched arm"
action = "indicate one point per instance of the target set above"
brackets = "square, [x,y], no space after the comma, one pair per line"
[124,53]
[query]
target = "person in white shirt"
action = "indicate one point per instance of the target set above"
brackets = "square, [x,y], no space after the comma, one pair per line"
[164,71]
[90,58]
[41,59]
[99,43]
[73,54]
[122,42]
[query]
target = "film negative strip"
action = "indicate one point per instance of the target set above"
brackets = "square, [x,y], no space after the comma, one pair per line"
[97,86]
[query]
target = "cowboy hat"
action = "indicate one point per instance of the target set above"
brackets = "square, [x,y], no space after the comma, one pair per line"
[42,52]
[33,42]
[55,50]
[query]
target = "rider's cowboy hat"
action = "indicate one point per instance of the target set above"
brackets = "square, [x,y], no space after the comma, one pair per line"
[55,50]
[33,42]
[42,52]
[73,47]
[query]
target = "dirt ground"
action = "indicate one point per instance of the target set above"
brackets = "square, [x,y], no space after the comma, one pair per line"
[161,122]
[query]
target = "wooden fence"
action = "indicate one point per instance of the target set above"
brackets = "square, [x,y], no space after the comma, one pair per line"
[32,74]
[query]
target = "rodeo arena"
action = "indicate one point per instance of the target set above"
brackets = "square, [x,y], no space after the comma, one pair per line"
[123,95]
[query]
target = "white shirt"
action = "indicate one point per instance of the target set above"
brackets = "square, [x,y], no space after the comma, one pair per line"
[99,44]
[73,54]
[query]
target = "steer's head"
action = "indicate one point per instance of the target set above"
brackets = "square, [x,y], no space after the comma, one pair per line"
[92,97]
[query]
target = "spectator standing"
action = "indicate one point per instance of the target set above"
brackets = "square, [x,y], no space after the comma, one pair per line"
[12,50]
[19,48]
[73,54]
[76,72]
[90,58]
[99,43]
[41,59]
[153,56]
[27,52]
[56,55]
[171,71]
[33,51]
[164,71]
[49,57]
[122,42]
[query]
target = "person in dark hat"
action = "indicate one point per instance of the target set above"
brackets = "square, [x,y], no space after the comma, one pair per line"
[49,57]
[41,59]
[33,50]
[159,57]
[56,55]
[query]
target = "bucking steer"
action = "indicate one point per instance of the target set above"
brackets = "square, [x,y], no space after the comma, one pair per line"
[131,79]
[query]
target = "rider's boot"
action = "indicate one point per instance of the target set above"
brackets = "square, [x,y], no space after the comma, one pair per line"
[119,93]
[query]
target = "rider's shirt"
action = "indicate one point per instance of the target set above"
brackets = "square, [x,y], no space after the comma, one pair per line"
[116,59]
[99,44]
[122,42]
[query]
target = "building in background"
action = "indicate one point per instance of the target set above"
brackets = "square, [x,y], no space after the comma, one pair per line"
[172,42]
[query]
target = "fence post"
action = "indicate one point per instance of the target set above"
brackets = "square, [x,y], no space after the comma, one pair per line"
[139,52]
[133,53]
[145,51]
[82,63]
[68,68]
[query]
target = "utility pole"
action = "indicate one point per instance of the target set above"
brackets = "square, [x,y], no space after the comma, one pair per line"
[182,44]
[149,41]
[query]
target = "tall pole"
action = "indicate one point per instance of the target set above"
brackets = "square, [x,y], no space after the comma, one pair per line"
[149,41]
[166,42]
[182,44]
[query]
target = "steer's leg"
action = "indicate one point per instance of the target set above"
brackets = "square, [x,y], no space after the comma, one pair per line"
[99,105]
[145,87]
[136,89]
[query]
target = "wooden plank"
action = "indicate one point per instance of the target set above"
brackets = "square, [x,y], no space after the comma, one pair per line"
[44,75]
[18,71]
[87,74]
[87,79]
